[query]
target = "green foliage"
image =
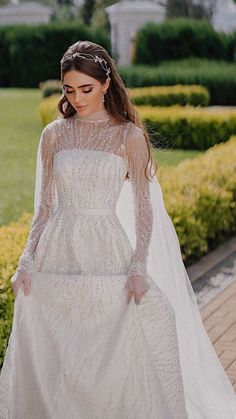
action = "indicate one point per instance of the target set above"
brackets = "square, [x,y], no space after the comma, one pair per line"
[181,38]
[32,53]
[189,8]
[12,241]
[170,95]
[188,127]
[87,11]
[200,196]
[218,77]
[50,87]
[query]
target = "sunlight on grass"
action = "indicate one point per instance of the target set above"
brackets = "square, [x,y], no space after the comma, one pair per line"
[165,157]
[19,135]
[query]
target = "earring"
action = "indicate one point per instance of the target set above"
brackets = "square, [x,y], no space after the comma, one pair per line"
[104,97]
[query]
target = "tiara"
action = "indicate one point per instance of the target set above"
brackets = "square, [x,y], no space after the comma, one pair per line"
[90,57]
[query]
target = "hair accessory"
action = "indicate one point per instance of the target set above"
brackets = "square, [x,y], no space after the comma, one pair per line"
[90,57]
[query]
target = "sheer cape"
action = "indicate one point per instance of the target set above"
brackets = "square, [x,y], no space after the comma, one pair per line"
[157,256]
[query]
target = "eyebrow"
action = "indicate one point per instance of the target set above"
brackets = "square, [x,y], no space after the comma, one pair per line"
[83,85]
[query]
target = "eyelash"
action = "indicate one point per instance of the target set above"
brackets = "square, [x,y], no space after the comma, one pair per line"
[88,91]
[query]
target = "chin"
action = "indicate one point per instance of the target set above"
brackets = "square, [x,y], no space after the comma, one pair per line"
[82,109]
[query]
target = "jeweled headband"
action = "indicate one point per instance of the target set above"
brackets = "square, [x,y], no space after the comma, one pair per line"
[90,57]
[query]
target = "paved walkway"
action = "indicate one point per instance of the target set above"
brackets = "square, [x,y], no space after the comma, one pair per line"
[219,319]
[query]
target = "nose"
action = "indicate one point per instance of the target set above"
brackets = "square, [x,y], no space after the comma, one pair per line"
[77,97]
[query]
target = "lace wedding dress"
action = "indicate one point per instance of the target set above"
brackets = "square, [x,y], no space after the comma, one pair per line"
[77,350]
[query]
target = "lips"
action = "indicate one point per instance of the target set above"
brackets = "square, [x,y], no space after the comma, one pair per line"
[80,107]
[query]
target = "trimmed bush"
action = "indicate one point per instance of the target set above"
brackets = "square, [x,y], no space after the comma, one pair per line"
[170,95]
[199,195]
[47,109]
[12,242]
[50,87]
[188,127]
[176,126]
[32,53]
[218,77]
[181,38]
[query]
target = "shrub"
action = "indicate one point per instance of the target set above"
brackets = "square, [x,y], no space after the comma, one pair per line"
[47,109]
[218,77]
[170,95]
[12,241]
[200,196]
[180,38]
[32,53]
[50,87]
[188,127]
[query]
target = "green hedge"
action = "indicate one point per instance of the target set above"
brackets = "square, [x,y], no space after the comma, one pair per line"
[170,95]
[199,195]
[182,38]
[12,241]
[30,54]
[188,127]
[218,77]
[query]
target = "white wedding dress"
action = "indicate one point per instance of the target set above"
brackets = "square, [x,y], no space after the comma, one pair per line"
[77,350]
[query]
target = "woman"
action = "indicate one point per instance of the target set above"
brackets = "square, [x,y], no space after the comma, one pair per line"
[81,347]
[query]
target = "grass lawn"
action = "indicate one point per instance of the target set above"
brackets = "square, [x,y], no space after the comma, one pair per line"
[20,130]
[19,135]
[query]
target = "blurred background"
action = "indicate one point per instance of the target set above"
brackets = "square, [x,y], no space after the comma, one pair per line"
[177,59]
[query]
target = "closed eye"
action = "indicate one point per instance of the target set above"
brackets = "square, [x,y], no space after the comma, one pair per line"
[84,91]
[87,91]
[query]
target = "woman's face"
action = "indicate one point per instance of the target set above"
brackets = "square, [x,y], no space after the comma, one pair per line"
[84,93]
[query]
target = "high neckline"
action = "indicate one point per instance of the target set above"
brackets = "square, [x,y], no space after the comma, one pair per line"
[99,116]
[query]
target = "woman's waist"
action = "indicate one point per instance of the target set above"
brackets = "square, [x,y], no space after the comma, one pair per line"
[85,210]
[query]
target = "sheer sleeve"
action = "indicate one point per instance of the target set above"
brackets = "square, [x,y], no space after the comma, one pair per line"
[137,153]
[44,188]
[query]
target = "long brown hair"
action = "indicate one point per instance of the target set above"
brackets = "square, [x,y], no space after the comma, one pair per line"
[117,101]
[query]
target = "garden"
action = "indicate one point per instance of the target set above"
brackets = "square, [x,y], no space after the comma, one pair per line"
[183,86]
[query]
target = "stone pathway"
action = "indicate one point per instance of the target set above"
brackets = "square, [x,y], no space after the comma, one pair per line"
[215,291]
[219,319]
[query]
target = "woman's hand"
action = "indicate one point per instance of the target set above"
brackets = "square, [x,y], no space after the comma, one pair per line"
[137,285]
[22,278]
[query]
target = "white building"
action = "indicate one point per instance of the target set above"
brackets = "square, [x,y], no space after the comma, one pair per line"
[24,12]
[126,18]
[224,18]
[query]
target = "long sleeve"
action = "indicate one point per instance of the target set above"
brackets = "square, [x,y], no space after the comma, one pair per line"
[44,176]
[137,153]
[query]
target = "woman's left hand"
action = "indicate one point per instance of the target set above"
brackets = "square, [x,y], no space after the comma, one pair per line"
[137,285]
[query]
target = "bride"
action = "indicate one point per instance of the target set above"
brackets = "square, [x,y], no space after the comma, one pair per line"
[106,324]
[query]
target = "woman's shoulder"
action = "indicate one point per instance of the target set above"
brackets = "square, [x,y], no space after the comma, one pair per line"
[133,131]
[55,124]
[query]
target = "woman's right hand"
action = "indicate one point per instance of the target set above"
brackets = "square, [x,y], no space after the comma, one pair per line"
[21,278]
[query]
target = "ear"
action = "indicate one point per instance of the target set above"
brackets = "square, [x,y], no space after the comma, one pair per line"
[106,84]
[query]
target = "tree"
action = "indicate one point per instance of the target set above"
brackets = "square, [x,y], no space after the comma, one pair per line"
[87,11]
[198,9]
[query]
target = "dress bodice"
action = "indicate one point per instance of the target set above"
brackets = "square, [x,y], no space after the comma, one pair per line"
[82,163]
[88,179]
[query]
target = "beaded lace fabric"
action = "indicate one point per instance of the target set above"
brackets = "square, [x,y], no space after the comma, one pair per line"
[91,152]
[77,350]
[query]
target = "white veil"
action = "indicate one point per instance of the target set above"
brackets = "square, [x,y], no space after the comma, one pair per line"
[209,393]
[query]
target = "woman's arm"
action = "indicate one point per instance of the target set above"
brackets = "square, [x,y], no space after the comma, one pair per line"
[44,210]
[137,152]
